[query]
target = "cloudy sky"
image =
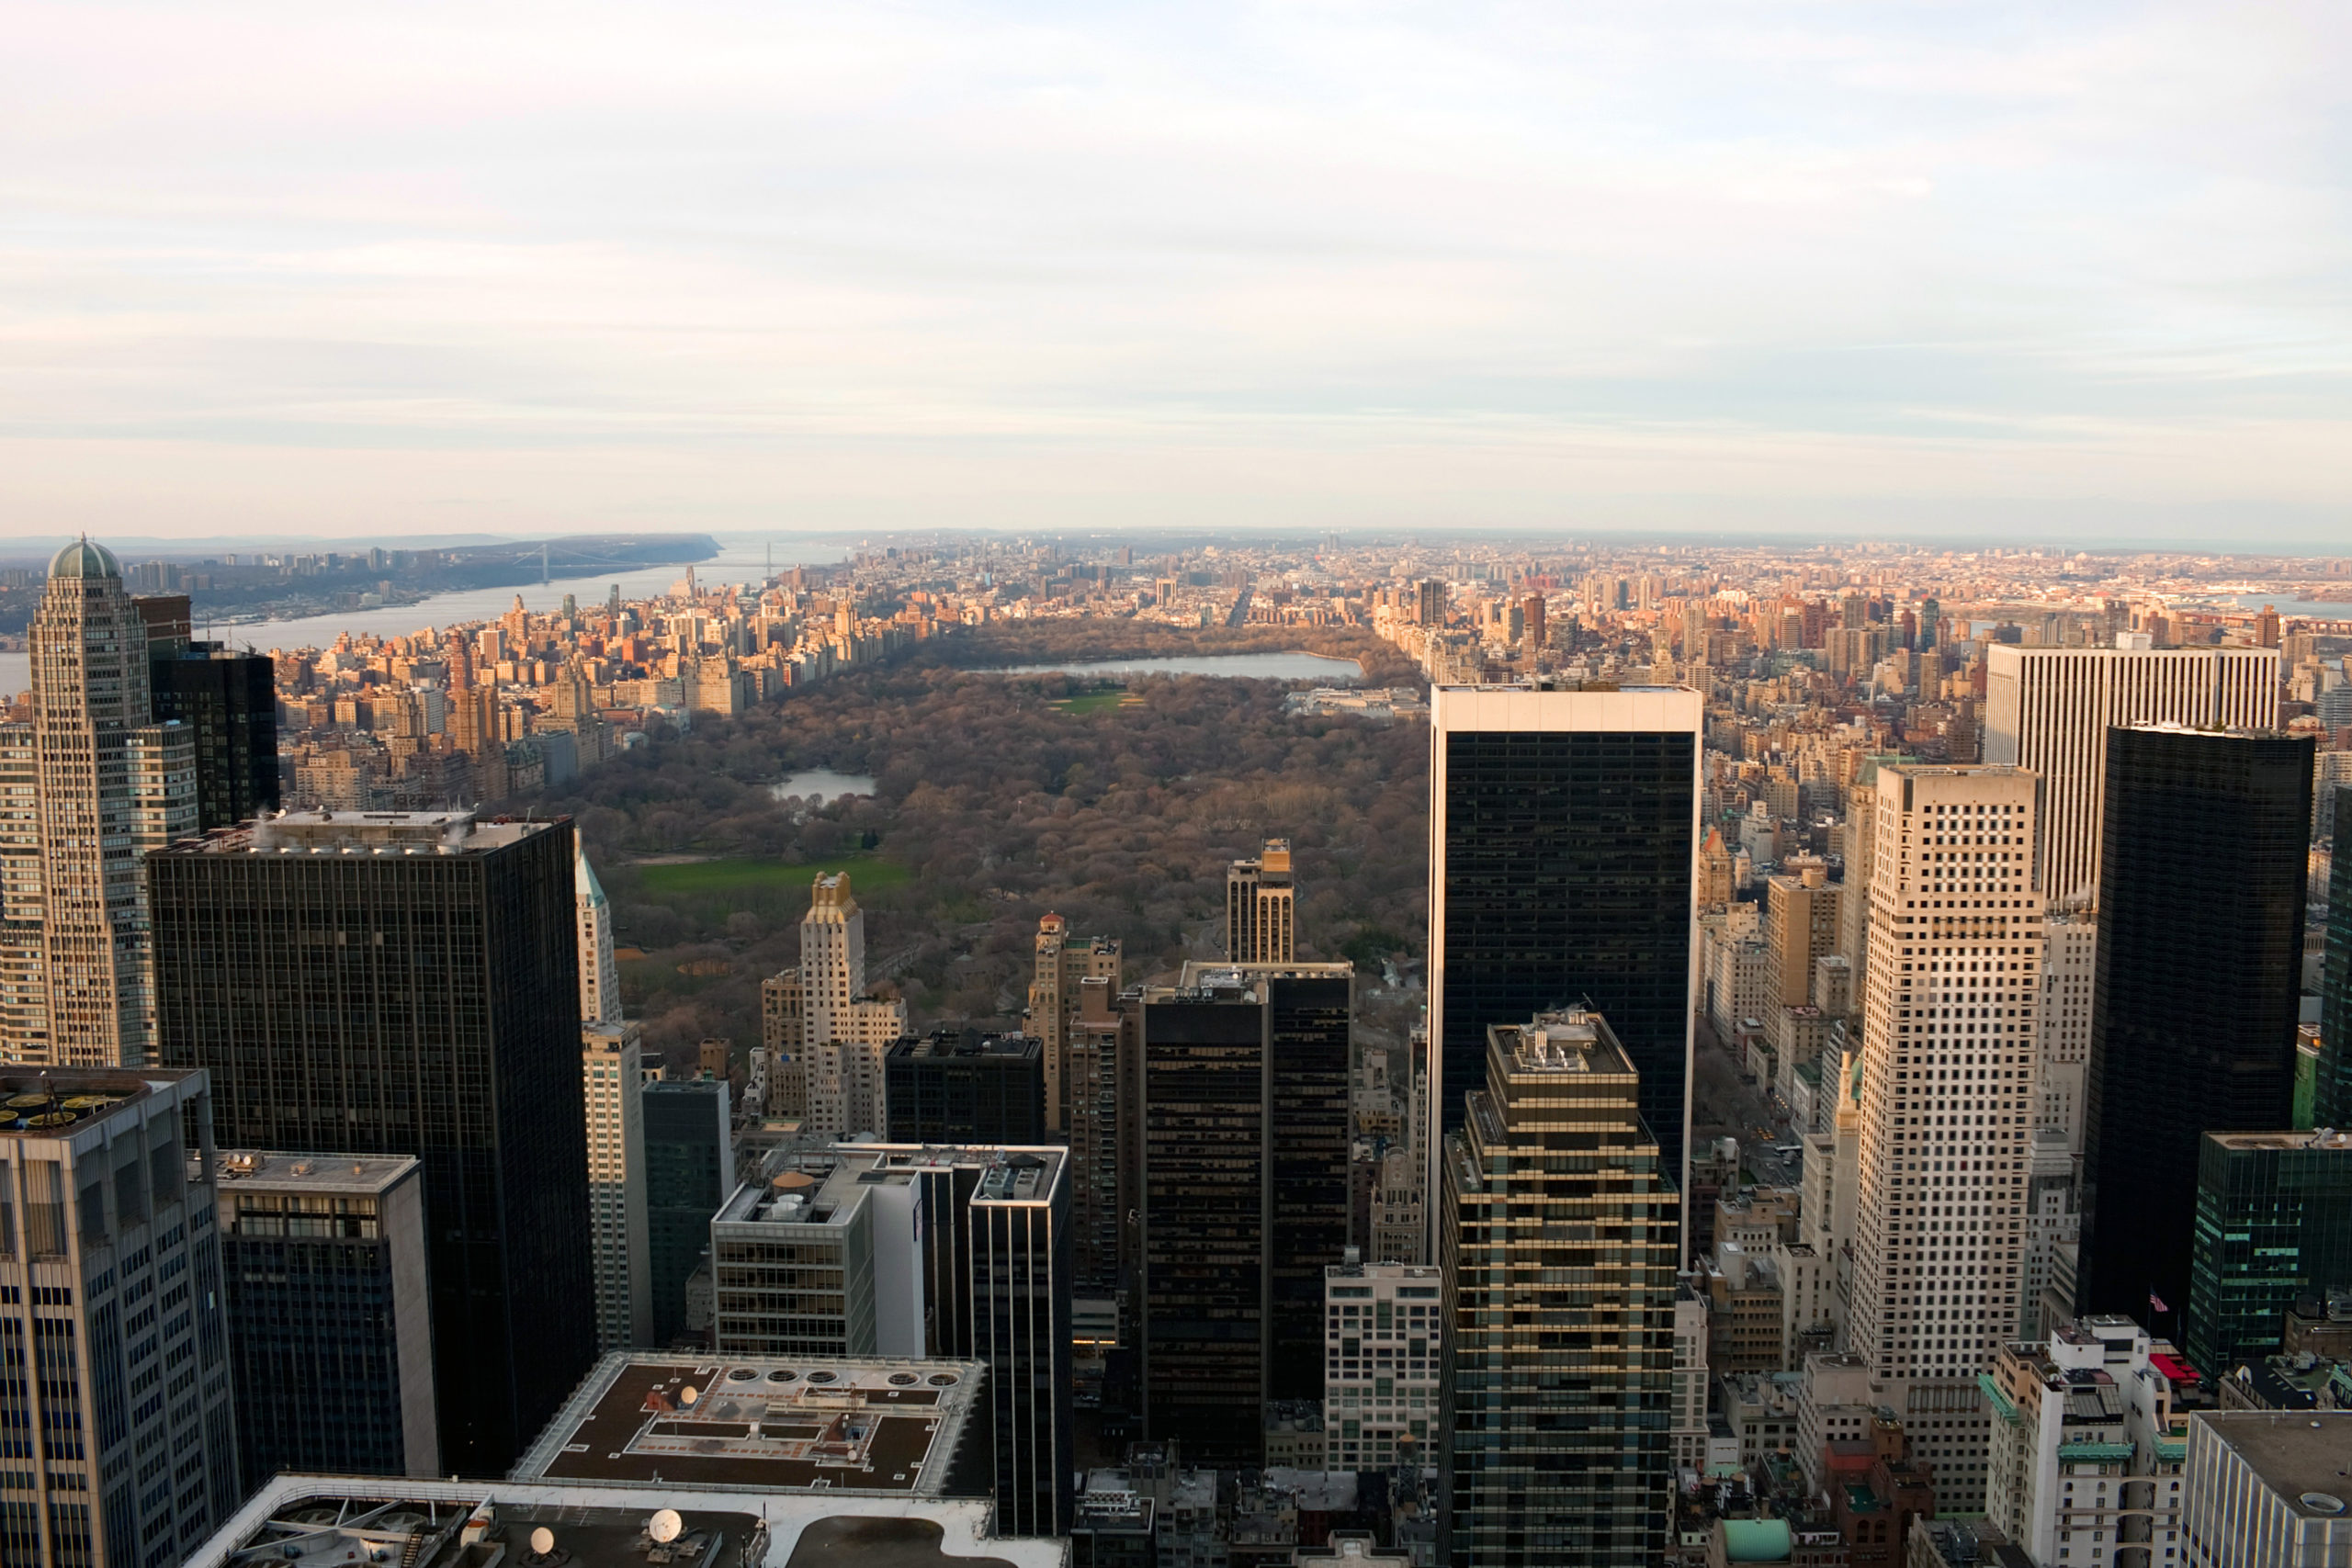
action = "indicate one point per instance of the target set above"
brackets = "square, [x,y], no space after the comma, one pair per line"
[1891,268]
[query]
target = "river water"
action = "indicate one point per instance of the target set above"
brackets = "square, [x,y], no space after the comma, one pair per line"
[737,562]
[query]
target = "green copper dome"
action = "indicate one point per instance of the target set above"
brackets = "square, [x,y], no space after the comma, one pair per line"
[82,558]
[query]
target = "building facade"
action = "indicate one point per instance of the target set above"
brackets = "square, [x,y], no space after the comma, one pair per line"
[330,1316]
[845,1031]
[395,982]
[945,1088]
[2258,1489]
[1948,1101]
[1242,1119]
[600,980]
[1261,907]
[1556,1390]
[2048,710]
[2198,997]
[612,1083]
[111,1323]
[1563,853]
[2274,1222]
[689,1169]
[1064,963]
[1384,1341]
[228,701]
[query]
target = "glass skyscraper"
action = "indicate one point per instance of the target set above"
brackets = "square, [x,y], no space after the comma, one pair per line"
[2274,1222]
[1563,849]
[1560,1233]
[2202,870]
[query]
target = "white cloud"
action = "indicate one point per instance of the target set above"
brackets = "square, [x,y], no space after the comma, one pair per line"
[309,266]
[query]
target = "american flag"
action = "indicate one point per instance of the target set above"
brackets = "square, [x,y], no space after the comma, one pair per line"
[2156,1303]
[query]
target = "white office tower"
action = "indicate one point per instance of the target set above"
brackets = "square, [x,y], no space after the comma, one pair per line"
[2048,710]
[846,1031]
[1384,1341]
[2064,1050]
[2087,1458]
[612,1075]
[76,971]
[600,982]
[1948,1101]
[2263,1486]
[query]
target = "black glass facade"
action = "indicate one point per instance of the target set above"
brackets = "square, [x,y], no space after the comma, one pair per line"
[1568,860]
[2274,1222]
[419,1003]
[946,1089]
[686,1179]
[2202,875]
[1244,1118]
[2332,1098]
[229,702]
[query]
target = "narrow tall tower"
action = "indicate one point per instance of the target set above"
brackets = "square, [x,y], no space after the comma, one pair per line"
[111,784]
[845,1031]
[1259,907]
[600,984]
[1956,951]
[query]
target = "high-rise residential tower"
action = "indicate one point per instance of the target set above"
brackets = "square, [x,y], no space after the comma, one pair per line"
[228,700]
[1064,962]
[1561,1229]
[1948,1101]
[612,1082]
[330,1328]
[111,784]
[600,982]
[406,983]
[1260,908]
[1242,1123]
[2049,710]
[1564,836]
[2203,875]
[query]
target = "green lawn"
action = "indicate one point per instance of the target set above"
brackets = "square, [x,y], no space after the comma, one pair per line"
[1094,702]
[866,870]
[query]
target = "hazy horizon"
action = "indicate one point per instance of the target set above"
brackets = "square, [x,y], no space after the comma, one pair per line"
[1899,271]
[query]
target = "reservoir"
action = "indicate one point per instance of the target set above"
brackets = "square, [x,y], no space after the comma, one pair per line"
[823,783]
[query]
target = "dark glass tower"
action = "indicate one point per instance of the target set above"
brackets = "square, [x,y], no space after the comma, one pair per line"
[1244,1120]
[2332,1101]
[406,984]
[1563,843]
[1559,1237]
[689,1169]
[2202,870]
[229,702]
[948,1089]
[2274,1222]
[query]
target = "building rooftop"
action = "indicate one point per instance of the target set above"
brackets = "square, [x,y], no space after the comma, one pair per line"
[838,1424]
[2321,1138]
[1570,1041]
[950,1043]
[329,832]
[49,1102]
[798,1186]
[369,1174]
[2302,1455]
[308,1521]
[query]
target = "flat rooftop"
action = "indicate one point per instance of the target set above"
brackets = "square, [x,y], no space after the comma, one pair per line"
[948,1045]
[835,1424]
[798,1187]
[2294,1451]
[49,1102]
[1569,1042]
[363,832]
[275,1170]
[425,1524]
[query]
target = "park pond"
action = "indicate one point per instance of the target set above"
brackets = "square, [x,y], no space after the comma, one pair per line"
[821,784]
[1244,666]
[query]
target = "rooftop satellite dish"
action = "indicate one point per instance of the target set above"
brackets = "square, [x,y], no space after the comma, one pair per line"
[542,1541]
[664,1527]
[688,1394]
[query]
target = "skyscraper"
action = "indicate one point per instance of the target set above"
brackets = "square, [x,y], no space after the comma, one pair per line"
[844,1030]
[2274,1222]
[2049,710]
[1561,1228]
[398,983]
[1563,853]
[1063,963]
[330,1328]
[1260,908]
[112,1325]
[1948,1103]
[2202,874]
[1243,1122]
[689,1171]
[111,784]
[2333,1093]
[600,982]
[612,1082]
[229,701]
[949,1087]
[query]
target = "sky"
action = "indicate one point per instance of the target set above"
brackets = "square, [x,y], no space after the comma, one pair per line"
[2021,271]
